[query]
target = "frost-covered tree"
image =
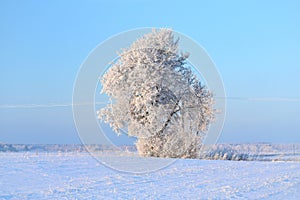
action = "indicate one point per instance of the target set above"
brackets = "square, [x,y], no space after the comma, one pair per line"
[156,97]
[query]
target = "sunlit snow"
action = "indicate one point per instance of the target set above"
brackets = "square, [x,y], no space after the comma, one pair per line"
[75,174]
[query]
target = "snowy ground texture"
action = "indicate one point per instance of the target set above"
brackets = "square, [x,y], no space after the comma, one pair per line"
[77,175]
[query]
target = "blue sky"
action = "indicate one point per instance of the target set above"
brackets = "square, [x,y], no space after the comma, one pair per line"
[255,45]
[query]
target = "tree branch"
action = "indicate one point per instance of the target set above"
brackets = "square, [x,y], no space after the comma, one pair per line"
[169,118]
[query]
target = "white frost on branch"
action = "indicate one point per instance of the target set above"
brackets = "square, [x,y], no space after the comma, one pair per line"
[157,98]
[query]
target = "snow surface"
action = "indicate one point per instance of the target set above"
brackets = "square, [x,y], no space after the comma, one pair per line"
[77,175]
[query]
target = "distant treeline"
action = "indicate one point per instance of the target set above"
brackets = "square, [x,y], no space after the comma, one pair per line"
[60,147]
[237,152]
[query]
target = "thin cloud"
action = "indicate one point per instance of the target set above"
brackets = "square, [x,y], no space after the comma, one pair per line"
[261,99]
[49,105]
[54,105]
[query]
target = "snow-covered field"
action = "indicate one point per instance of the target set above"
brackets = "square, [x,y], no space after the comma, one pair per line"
[77,175]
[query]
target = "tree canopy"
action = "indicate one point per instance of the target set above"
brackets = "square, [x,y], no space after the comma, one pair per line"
[157,98]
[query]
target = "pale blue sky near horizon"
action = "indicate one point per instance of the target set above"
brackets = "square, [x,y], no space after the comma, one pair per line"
[254,44]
